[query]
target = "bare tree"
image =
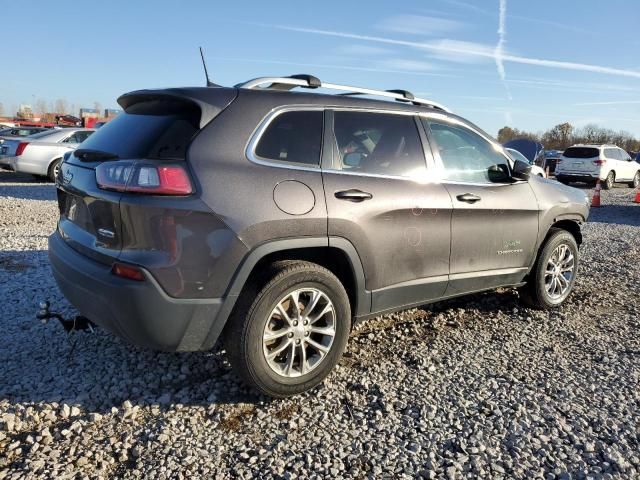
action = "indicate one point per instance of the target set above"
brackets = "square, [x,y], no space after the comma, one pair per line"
[40,107]
[98,107]
[61,106]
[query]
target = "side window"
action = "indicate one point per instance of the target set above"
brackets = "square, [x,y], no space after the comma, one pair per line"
[72,139]
[465,155]
[623,155]
[379,143]
[611,153]
[293,137]
[82,136]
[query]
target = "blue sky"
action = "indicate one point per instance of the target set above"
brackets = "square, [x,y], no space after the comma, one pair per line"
[527,64]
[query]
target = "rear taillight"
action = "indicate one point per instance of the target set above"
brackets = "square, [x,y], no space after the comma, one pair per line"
[142,177]
[127,271]
[21,147]
[599,162]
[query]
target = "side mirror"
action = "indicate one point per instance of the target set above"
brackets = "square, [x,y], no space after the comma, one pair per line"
[498,173]
[521,170]
[352,159]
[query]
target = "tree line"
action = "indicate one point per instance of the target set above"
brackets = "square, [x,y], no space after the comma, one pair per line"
[564,135]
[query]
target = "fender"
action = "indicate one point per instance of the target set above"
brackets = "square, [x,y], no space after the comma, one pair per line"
[363,297]
[571,217]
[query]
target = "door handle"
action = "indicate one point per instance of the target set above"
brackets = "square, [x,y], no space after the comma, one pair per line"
[469,198]
[353,195]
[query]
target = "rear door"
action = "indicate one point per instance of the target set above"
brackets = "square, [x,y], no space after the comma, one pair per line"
[381,198]
[494,226]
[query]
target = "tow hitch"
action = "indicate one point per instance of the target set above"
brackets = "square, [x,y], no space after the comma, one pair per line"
[76,323]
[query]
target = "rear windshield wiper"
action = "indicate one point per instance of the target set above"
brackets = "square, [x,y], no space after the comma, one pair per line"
[87,154]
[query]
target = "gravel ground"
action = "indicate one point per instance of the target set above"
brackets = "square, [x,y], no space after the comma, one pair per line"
[477,387]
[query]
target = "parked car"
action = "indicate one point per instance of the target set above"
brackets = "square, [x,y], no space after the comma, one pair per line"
[516,155]
[15,132]
[7,134]
[277,219]
[551,158]
[637,157]
[41,154]
[589,163]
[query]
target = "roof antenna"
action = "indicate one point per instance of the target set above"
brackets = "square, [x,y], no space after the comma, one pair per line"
[206,74]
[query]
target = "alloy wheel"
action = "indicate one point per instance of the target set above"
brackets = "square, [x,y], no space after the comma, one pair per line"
[299,333]
[559,272]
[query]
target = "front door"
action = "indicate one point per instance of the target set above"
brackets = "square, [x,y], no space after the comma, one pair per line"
[380,197]
[494,227]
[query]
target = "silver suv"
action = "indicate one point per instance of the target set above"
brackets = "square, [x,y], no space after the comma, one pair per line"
[276,219]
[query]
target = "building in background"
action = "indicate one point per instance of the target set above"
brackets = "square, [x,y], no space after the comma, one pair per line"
[25,112]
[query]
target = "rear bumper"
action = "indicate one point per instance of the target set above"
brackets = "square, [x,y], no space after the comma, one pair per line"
[577,177]
[140,312]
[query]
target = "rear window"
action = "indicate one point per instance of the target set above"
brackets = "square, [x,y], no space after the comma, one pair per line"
[581,152]
[155,133]
[44,134]
[293,137]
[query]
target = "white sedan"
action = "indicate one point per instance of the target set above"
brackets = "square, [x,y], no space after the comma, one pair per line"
[516,155]
[41,154]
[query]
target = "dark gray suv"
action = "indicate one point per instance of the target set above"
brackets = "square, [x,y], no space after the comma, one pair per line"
[277,219]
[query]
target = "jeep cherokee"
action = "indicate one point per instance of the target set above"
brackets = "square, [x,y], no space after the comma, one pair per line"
[276,219]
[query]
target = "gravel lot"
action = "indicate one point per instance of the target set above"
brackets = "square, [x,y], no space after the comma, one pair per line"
[477,387]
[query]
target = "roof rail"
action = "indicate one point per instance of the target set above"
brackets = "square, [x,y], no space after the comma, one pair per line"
[309,81]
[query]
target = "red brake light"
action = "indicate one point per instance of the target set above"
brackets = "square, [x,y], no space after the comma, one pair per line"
[140,177]
[21,147]
[599,162]
[127,271]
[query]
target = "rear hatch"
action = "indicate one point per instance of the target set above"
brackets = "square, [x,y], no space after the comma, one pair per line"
[579,160]
[154,132]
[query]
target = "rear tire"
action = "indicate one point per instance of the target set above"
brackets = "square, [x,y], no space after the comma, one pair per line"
[53,170]
[636,181]
[296,357]
[609,181]
[559,252]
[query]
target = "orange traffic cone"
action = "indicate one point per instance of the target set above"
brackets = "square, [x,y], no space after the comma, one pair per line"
[637,199]
[595,201]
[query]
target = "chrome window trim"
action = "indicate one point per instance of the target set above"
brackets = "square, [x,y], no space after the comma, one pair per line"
[256,135]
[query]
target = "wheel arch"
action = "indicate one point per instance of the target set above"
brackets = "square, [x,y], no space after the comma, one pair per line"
[52,161]
[568,222]
[334,253]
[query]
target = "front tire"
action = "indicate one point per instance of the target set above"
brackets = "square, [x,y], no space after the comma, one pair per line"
[609,181]
[636,180]
[286,339]
[553,276]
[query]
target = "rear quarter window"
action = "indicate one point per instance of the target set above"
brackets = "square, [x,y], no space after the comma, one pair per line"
[581,152]
[294,137]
